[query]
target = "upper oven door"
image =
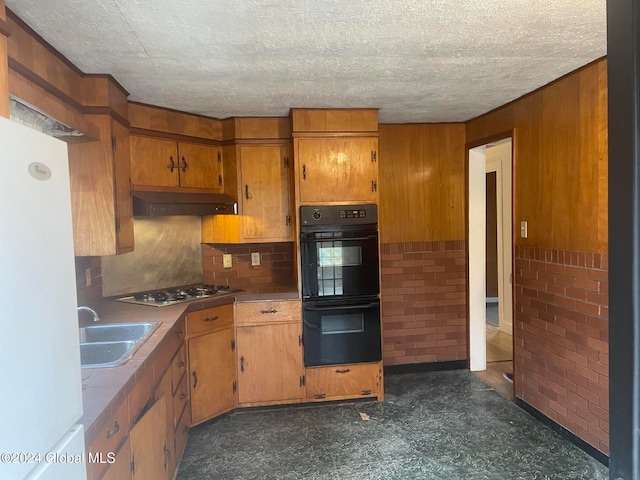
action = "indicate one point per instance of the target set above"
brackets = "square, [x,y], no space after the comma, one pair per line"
[340,261]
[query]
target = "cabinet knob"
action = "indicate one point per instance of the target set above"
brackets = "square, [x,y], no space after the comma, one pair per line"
[180,364]
[114,430]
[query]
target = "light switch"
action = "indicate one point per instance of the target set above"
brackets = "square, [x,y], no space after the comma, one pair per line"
[523,230]
[255,259]
[226,260]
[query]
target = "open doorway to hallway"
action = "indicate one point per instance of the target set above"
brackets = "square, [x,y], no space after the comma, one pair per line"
[490,253]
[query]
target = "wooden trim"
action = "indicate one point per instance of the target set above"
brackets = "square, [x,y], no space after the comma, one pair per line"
[107,111]
[151,188]
[490,139]
[174,136]
[41,40]
[292,109]
[181,112]
[306,134]
[556,427]
[109,77]
[537,90]
[4,28]
[257,141]
[42,83]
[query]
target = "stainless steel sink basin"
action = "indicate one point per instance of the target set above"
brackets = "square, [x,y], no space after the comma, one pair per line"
[105,354]
[116,332]
[111,345]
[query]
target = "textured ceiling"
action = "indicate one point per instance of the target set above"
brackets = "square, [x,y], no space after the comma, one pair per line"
[416,60]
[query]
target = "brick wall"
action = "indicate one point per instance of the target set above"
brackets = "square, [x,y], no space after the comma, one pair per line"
[561,326]
[92,294]
[424,302]
[276,266]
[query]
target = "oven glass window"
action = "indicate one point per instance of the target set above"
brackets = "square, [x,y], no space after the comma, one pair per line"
[347,323]
[332,257]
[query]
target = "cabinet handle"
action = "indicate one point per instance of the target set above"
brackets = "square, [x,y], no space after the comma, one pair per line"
[179,333]
[264,312]
[346,370]
[304,172]
[171,165]
[184,165]
[211,319]
[365,392]
[374,185]
[183,396]
[195,379]
[233,345]
[219,180]
[246,192]
[180,364]
[114,430]
[167,456]
[242,364]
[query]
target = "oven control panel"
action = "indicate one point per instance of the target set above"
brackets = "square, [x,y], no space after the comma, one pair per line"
[339,214]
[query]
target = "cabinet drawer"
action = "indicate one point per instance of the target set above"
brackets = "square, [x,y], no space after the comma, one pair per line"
[178,367]
[343,381]
[209,319]
[110,438]
[181,398]
[251,313]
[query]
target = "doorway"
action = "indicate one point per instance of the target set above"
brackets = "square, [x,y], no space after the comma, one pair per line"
[490,262]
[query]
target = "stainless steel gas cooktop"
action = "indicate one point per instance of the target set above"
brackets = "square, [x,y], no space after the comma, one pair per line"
[172,296]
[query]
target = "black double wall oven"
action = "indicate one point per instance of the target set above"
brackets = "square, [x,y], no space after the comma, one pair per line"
[340,284]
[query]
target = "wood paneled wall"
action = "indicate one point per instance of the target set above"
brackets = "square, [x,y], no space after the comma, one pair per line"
[422,189]
[560,160]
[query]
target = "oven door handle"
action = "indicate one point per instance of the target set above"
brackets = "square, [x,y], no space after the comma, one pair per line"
[341,307]
[338,239]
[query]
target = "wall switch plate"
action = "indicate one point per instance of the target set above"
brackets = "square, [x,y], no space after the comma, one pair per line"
[255,259]
[226,260]
[87,277]
[523,230]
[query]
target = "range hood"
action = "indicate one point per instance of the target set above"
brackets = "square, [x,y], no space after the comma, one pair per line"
[154,204]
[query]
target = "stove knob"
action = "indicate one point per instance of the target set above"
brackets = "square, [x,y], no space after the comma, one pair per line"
[316,214]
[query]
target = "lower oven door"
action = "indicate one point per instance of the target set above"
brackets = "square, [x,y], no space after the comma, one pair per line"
[341,331]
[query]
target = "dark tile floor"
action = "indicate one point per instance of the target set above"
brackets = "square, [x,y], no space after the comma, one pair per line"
[439,425]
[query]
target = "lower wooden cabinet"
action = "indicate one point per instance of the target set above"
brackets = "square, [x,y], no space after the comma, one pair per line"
[212,374]
[212,371]
[270,369]
[120,469]
[339,382]
[148,439]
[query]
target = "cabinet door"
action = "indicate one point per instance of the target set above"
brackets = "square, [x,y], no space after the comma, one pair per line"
[200,166]
[338,382]
[122,173]
[269,363]
[154,162]
[211,374]
[265,192]
[342,169]
[148,444]
[163,390]
[120,469]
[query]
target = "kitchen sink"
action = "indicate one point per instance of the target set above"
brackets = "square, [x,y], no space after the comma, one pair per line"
[111,345]
[117,332]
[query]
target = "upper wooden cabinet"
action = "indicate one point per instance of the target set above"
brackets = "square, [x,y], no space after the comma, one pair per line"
[337,169]
[262,185]
[101,192]
[157,162]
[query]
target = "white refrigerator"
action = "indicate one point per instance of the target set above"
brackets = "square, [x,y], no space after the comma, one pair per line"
[41,401]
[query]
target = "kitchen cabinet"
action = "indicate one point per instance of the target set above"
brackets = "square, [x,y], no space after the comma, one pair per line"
[339,382]
[149,444]
[120,469]
[101,192]
[212,376]
[157,162]
[337,169]
[269,353]
[262,187]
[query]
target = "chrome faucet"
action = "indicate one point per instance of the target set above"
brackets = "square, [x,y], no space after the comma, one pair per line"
[96,317]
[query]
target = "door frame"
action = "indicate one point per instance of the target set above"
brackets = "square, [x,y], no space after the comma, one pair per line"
[475,171]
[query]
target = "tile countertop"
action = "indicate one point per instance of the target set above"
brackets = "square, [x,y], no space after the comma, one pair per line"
[104,389]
